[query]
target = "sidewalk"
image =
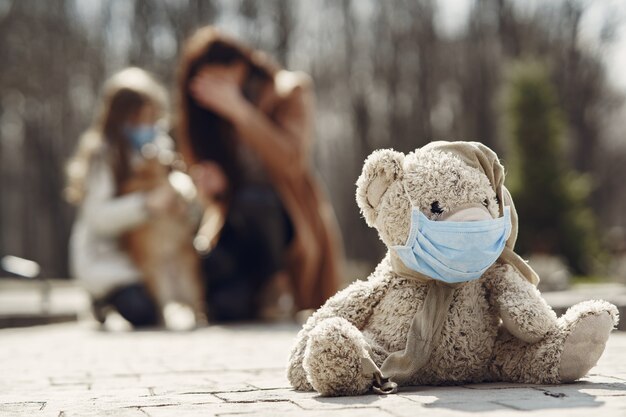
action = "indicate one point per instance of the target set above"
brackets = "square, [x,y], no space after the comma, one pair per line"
[21,301]
[72,369]
[33,302]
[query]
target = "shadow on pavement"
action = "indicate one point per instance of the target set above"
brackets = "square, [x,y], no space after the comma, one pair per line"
[494,397]
[584,394]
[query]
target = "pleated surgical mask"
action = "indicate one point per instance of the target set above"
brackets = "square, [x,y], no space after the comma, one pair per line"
[141,135]
[454,251]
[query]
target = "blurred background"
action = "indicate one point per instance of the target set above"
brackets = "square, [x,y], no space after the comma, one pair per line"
[542,83]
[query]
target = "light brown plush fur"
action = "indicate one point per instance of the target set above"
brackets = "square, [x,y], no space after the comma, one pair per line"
[498,327]
[162,248]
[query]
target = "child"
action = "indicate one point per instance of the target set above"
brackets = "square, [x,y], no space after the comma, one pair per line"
[132,104]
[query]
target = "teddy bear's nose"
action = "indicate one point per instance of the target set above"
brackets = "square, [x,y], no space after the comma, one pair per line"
[471,213]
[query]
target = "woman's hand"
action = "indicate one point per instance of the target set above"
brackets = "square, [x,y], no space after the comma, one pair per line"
[210,180]
[161,200]
[220,92]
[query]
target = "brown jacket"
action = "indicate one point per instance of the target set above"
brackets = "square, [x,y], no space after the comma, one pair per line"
[283,144]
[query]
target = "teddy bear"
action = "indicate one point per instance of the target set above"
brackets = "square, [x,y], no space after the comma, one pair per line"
[451,302]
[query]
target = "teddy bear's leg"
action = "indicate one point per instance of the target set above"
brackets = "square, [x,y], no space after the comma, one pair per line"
[336,359]
[589,324]
[564,355]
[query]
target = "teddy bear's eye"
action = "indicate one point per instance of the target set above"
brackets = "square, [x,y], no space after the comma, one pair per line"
[434,208]
[486,203]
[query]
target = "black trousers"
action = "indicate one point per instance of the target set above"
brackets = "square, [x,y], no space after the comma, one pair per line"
[132,302]
[250,250]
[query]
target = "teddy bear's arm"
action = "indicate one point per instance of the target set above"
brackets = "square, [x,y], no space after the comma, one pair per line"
[355,304]
[523,311]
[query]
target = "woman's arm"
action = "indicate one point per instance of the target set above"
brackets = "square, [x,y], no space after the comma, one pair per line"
[280,141]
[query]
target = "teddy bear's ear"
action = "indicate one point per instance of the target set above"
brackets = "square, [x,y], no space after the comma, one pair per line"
[381,169]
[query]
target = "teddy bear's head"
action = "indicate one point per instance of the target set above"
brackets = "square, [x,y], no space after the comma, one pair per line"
[437,180]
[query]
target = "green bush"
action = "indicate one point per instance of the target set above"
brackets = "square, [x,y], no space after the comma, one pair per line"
[550,198]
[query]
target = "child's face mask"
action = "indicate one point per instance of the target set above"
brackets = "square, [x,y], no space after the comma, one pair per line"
[140,135]
[454,251]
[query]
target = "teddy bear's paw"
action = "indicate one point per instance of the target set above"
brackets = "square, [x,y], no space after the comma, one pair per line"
[584,345]
[333,359]
[297,377]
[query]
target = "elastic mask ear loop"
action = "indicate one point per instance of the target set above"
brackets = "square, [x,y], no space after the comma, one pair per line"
[502,206]
[408,196]
[500,197]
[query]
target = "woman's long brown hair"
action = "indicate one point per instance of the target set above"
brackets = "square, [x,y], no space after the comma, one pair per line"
[202,134]
[124,94]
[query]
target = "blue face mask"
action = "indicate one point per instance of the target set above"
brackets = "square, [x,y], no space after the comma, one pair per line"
[140,135]
[453,251]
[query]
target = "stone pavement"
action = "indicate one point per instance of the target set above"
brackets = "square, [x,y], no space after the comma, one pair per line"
[73,369]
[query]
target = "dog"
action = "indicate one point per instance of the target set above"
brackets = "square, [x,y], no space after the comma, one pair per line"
[162,248]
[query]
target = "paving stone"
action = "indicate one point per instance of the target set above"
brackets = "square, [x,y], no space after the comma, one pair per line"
[280,394]
[347,412]
[585,388]
[266,379]
[21,407]
[316,402]
[267,408]
[385,402]
[495,386]
[99,412]
[128,401]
